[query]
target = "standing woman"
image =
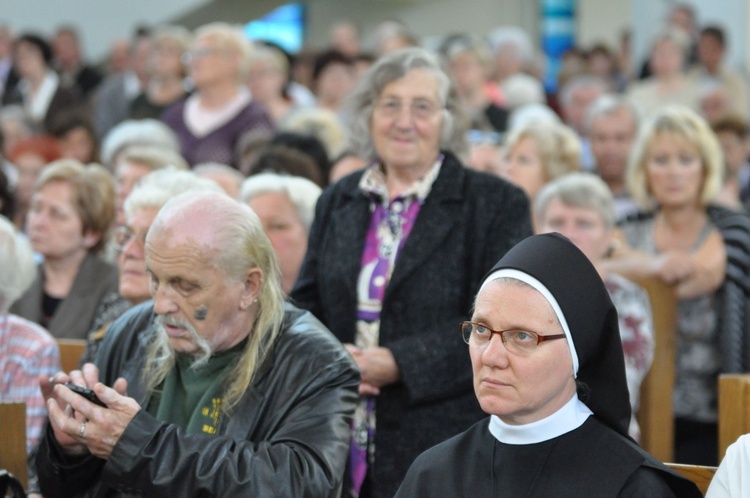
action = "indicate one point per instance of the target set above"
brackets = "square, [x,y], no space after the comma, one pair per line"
[669,84]
[675,172]
[209,123]
[395,255]
[166,80]
[72,208]
[39,90]
[267,78]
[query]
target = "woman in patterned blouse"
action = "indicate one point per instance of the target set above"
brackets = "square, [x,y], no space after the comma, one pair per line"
[580,206]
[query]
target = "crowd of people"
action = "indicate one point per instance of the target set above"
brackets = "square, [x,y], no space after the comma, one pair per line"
[268,254]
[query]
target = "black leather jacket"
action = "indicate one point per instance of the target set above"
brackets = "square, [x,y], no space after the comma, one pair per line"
[288,436]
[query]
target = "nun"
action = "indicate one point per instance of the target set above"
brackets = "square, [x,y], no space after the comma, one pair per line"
[549,370]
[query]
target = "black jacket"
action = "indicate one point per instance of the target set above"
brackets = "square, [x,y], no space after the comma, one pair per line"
[467,222]
[590,461]
[288,436]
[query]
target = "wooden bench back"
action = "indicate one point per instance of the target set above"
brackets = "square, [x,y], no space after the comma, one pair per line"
[701,475]
[71,351]
[734,409]
[13,455]
[655,414]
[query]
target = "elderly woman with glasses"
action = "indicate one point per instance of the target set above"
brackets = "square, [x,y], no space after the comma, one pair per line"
[395,255]
[210,122]
[580,206]
[548,369]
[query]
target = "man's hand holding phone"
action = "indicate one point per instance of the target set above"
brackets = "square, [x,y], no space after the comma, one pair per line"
[87,393]
[85,415]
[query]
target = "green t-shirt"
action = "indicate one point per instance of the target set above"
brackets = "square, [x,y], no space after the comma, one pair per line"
[192,397]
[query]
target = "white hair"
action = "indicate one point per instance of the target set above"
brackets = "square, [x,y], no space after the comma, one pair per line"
[578,82]
[213,167]
[580,190]
[153,156]
[158,187]
[607,105]
[513,37]
[321,123]
[302,192]
[521,89]
[531,113]
[142,131]
[17,270]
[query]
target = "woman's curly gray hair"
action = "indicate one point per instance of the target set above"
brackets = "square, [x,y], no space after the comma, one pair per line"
[392,67]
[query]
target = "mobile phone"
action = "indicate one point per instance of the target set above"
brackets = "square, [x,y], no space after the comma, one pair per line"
[86,393]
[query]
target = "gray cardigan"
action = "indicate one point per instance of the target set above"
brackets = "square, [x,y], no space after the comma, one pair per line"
[76,313]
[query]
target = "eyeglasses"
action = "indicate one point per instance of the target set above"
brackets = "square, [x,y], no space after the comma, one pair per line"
[419,108]
[124,235]
[516,341]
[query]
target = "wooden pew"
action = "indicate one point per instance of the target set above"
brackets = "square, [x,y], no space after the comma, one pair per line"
[699,474]
[734,409]
[13,455]
[655,414]
[71,351]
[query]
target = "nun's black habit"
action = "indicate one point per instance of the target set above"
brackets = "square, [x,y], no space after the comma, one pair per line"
[595,459]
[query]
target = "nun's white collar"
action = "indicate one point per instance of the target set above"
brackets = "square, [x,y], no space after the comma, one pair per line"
[568,418]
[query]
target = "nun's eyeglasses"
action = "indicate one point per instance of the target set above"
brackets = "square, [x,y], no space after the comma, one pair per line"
[516,341]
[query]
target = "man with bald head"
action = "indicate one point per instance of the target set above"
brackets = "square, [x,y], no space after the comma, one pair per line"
[214,388]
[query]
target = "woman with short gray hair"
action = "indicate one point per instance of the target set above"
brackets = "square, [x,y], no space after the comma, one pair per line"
[366,98]
[286,207]
[580,206]
[395,255]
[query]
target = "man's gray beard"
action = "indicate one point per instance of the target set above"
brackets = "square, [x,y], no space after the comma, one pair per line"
[205,350]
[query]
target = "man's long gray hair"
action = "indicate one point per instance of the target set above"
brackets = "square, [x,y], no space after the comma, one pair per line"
[241,244]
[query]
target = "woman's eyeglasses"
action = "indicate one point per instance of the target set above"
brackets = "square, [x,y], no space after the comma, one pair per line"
[419,108]
[516,341]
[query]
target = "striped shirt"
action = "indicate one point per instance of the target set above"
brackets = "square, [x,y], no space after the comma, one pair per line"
[26,352]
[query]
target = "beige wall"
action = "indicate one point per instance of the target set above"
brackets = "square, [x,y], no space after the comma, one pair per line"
[427,18]
[602,21]
[101,22]
[597,20]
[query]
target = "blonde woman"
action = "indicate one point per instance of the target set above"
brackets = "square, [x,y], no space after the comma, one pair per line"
[669,84]
[210,122]
[675,172]
[538,152]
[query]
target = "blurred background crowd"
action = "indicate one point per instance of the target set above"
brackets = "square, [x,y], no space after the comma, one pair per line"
[89,151]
